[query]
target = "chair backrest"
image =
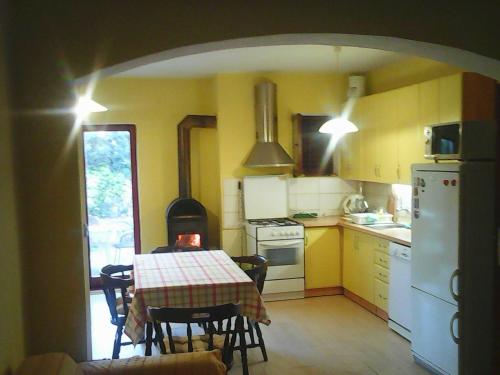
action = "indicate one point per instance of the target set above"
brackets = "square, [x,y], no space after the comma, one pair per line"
[113,277]
[205,316]
[255,266]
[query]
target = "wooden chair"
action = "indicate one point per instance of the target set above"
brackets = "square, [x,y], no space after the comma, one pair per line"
[205,316]
[255,266]
[113,277]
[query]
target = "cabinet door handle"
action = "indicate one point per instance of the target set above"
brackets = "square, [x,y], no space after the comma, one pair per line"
[306,240]
[456,339]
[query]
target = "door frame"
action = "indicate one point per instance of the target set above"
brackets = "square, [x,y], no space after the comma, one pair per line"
[95,283]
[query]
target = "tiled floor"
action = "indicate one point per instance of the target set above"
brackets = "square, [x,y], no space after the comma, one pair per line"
[322,335]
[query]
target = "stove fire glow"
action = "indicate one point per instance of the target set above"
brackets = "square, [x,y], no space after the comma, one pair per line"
[188,240]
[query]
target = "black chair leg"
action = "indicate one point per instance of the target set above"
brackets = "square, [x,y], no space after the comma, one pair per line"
[149,338]
[232,344]
[250,331]
[243,346]
[118,342]
[159,337]
[261,341]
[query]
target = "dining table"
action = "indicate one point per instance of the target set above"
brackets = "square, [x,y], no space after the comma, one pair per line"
[190,279]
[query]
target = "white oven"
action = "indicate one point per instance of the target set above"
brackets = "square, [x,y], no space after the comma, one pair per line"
[271,234]
[285,257]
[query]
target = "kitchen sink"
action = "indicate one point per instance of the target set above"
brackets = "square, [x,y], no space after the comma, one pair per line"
[386,226]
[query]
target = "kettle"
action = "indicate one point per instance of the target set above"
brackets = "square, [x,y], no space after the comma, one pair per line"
[355,203]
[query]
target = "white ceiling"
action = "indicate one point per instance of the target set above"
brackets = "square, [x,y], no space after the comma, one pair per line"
[311,58]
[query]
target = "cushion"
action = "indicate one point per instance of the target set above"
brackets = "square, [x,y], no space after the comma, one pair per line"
[49,364]
[200,343]
[199,363]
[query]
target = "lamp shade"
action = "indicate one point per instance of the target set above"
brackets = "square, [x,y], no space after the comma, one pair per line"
[338,126]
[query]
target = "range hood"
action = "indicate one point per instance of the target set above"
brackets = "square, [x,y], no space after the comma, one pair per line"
[267,152]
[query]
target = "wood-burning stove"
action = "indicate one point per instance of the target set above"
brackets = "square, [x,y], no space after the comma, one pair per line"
[186,218]
[187,223]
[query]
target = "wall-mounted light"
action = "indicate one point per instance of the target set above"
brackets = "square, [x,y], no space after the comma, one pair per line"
[84,106]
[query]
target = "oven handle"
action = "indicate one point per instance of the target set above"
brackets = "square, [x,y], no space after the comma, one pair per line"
[271,244]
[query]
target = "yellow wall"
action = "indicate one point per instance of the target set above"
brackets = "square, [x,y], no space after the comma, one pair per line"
[11,321]
[297,92]
[406,72]
[156,106]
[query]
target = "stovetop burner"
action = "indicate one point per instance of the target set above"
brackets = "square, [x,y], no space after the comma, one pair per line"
[280,222]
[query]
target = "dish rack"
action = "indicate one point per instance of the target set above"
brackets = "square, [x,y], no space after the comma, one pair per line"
[370,218]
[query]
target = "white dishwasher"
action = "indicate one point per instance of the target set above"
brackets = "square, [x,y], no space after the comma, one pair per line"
[400,290]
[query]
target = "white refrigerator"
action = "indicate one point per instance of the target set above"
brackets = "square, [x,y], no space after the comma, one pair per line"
[437,224]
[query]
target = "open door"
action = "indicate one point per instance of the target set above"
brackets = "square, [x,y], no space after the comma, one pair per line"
[112,207]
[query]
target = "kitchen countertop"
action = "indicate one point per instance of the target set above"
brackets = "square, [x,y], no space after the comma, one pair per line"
[398,235]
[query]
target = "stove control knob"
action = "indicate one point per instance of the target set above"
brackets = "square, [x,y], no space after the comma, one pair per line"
[297,233]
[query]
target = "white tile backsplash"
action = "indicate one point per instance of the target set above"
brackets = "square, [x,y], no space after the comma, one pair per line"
[308,201]
[232,203]
[307,185]
[321,195]
[331,201]
[292,201]
[337,185]
[231,186]
[293,184]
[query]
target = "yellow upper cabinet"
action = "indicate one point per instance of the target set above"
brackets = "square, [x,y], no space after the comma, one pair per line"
[391,124]
[386,115]
[450,98]
[410,142]
[322,258]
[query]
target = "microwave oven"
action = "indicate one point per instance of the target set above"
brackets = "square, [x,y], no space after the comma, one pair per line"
[465,140]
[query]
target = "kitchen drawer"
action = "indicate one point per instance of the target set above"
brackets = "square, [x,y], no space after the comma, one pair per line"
[382,245]
[381,259]
[381,295]
[381,273]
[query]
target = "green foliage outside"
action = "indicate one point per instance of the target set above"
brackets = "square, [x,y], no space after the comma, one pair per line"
[108,174]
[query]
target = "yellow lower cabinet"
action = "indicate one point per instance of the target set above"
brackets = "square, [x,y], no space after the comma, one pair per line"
[358,264]
[322,257]
[349,267]
[381,294]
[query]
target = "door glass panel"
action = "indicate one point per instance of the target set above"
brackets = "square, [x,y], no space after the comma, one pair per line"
[108,187]
[281,256]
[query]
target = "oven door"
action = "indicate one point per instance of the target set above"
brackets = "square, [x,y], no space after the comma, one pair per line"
[286,258]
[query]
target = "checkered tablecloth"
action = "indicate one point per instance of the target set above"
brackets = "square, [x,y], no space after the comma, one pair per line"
[190,279]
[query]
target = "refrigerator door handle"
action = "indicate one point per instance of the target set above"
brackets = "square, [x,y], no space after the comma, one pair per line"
[452,292]
[452,333]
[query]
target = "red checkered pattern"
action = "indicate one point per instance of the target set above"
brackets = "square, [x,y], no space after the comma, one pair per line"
[190,279]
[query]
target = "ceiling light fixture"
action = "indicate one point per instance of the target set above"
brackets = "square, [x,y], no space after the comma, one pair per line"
[340,126]
[84,106]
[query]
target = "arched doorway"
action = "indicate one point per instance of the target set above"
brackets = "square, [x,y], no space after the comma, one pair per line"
[461,58]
